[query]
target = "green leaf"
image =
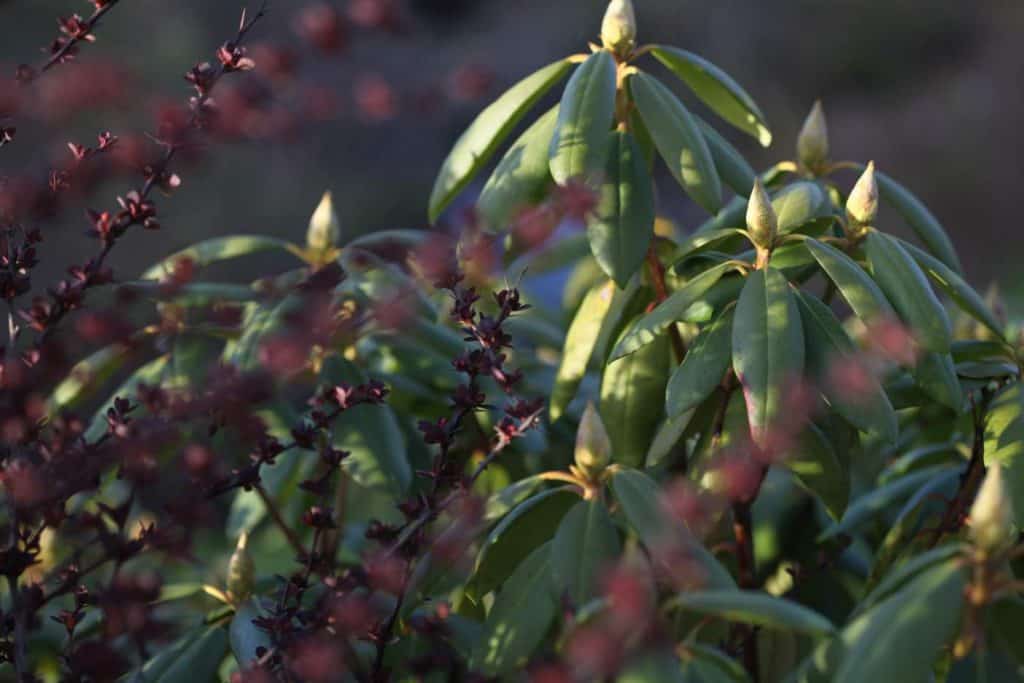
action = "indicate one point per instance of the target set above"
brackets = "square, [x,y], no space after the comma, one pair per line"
[879,499]
[724,239]
[503,501]
[580,341]
[717,90]
[490,128]
[649,327]
[798,204]
[585,545]
[622,225]
[706,664]
[828,347]
[900,638]
[521,177]
[217,249]
[261,323]
[87,376]
[655,667]
[957,288]
[767,348]
[519,619]
[702,369]
[1004,443]
[679,140]
[907,288]
[640,499]
[896,579]
[200,660]
[936,376]
[245,636]
[667,438]
[819,470]
[756,608]
[924,224]
[370,433]
[860,291]
[585,115]
[732,168]
[527,526]
[632,390]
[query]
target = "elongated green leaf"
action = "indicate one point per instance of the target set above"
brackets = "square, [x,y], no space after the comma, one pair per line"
[622,225]
[830,355]
[519,180]
[502,502]
[667,439]
[957,288]
[757,608]
[217,249]
[924,224]
[585,545]
[679,140]
[632,390]
[818,470]
[899,577]
[86,376]
[936,376]
[907,288]
[860,291]
[389,239]
[200,660]
[878,499]
[899,639]
[725,239]
[767,348]
[370,433]
[656,667]
[490,128]
[524,528]
[717,89]
[640,499]
[673,309]
[706,664]
[579,346]
[520,618]
[1004,443]
[585,115]
[702,369]
[798,204]
[245,636]
[732,168]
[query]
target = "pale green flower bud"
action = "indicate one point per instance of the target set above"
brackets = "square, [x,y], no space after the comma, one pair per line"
[241,571]
[618,29]
[862,204]
[593,447]
[324,227]
[812,143]
[762,223]
[991,522]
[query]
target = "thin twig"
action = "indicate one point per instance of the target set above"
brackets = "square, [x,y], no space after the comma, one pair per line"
[275,515]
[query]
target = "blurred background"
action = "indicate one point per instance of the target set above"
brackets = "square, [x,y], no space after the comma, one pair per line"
[365,97]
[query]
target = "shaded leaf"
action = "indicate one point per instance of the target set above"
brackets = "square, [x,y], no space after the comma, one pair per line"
[819,470]
[706,362]
[580,341]
[860,291]
[584,546]
[757,608]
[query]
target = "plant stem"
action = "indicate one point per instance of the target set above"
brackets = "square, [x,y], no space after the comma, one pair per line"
[661,293]
[275,514]
[742,528]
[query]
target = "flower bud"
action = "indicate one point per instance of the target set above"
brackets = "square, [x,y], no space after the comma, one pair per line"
[324,228]
[862,204]
[241,571]
[812,143]
[593,447]
[618,29]
[991,521]
[762,223]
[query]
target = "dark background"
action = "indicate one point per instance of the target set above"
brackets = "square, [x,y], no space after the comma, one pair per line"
[930,89]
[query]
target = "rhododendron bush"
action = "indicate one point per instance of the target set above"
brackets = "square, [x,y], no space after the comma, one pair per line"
[785,444]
